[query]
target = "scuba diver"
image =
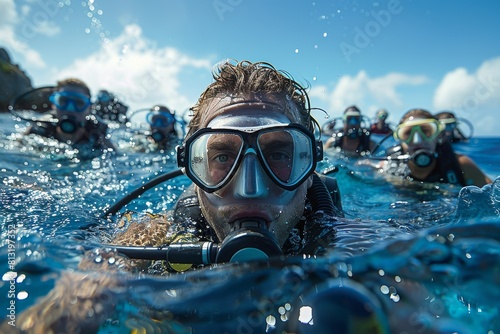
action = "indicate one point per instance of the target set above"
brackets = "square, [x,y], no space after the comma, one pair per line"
[425,155]
[153,129]
[381,126]
[251,153]
[162,124]
[108,107]
[70,120]
[353,139]
[451,130]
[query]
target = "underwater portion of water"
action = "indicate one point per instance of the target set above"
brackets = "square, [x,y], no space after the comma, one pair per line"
[428,255]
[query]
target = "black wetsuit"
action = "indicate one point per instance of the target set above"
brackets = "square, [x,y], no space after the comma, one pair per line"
[364,141]
[95,132]
[447,168]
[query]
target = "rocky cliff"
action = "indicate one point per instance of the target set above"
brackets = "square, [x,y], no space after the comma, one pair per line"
[13,80]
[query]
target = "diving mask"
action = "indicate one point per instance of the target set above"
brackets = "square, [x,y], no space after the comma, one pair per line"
[449,123]
[287,153]
[70,101]
[427,129]
[160,118]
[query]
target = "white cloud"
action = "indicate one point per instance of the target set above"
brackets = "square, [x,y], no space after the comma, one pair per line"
[474,96]
[137,71]
[8,38]
[365,92]
[47,28]
[8,14]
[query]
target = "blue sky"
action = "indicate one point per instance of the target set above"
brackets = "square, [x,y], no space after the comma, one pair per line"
[397,55]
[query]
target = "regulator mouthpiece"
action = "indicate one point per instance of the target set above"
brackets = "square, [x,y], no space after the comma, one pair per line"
[250,240]
[423,158]
[68,126]
[157,136]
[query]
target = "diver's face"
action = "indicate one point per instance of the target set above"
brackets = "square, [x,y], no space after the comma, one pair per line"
[73,103]
[420,134]
[72,106]
[353,122]
[257,196]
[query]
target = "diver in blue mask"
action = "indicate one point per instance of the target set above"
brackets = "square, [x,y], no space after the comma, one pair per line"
[427,155]
[162,125]
[353,139]
[109,108]
[70,120]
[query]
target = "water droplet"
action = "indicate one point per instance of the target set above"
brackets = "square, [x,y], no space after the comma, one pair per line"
[22,295]
[296,50]
[314,78]
[325,34]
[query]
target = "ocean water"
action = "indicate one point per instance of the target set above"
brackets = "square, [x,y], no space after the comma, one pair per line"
[426,257]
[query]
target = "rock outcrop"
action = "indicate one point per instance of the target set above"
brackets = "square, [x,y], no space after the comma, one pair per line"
[13,80]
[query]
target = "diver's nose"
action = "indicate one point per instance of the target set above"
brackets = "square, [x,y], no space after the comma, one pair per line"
[250,178]
[417,138]
[71,106]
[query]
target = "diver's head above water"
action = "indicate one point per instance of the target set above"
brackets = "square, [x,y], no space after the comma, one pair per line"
[71,101]
[418,131]
[250,149]
[162,123]
[352,122]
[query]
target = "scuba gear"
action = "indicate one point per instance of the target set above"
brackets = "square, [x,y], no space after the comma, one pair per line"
[288,154]
[63,100]
[353,120]
[423,158]
[447,168]
[249,241]
[160,118]
[382,114]
[426,129]
[68,125]
[157,136]
[354,133]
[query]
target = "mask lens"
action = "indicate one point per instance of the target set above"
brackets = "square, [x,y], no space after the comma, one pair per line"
[428,129]
[213,157]
[62,100]
[160,119]
[287,154]
[353,120]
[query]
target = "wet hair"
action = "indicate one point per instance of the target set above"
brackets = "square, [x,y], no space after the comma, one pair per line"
[73,82]
[418,113]
[352,108]
[232,77]
[445,115]
[162,108]
[382,111]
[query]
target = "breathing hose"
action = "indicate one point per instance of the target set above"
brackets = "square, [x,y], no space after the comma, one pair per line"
[139,191]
